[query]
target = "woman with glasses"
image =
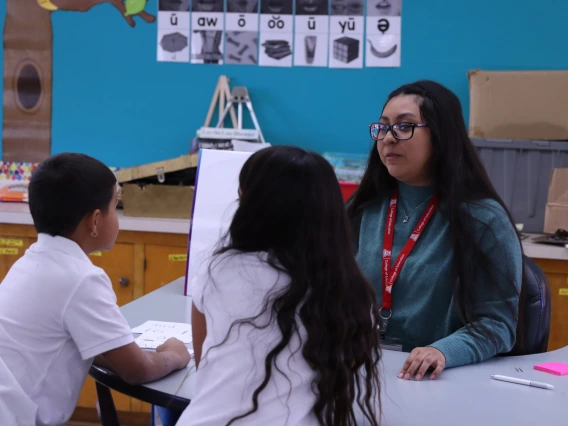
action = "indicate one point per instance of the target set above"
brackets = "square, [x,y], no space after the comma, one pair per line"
[434,237]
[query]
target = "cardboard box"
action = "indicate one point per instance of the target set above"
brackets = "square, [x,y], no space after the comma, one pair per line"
[163,189]
[162,201]
[525,105]
[556,216]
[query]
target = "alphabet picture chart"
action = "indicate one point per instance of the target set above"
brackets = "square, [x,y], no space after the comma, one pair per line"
[349,34]
[311,27]
[276,33]
[207,24]
[383,33]
[173,32]
[346,30]
[241,32]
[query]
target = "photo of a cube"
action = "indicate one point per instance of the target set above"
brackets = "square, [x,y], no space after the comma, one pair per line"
[346,49]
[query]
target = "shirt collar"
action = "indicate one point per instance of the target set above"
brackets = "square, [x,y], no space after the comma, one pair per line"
[62,244]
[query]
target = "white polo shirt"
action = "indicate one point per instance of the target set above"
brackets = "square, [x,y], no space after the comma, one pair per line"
[232,360]
[57,312]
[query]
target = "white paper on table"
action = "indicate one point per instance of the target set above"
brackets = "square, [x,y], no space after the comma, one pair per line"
[148,344]
[153,344]
[161,325]
[162,335]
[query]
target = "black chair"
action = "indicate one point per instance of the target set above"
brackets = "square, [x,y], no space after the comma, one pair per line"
[535,311]
[106,380]
[107,411]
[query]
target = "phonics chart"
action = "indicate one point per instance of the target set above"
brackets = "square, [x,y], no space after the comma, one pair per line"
[281,33]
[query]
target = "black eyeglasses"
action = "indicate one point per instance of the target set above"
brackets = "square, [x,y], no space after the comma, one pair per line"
[401,131]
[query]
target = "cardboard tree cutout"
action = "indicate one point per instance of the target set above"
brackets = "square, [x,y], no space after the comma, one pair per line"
[28,49]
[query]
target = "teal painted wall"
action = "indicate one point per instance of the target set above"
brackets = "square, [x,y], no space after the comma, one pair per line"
[113,100]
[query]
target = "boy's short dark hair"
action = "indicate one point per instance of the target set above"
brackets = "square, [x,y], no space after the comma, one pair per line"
[65,188]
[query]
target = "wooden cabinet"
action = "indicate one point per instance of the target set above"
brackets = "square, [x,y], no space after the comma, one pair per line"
[118,264]
[163,265]
[11,249]
[557,273]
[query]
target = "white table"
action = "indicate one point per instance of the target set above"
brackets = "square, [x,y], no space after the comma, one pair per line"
[464,396]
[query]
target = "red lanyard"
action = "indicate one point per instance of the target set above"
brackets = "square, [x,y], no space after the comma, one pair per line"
[390,276]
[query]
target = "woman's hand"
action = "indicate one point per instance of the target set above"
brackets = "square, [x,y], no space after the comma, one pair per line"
[420,360]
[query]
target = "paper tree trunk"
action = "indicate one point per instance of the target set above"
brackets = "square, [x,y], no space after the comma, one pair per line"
[26,133]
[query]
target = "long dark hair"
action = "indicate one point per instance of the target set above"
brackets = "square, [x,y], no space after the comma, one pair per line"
[460,180]
[291,207]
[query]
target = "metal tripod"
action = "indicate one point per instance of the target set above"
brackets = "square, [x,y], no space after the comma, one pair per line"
[240,96]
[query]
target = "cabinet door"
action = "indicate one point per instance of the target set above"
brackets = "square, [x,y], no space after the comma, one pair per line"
[164,264]
[559,319]
[11,249]
[557,274]
[118,264]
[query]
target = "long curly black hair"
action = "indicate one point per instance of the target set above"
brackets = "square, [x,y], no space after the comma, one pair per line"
[291,207]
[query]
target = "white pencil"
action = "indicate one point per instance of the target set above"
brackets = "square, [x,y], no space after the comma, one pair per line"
[523,382]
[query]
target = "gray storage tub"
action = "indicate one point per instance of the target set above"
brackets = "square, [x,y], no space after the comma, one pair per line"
[520,172]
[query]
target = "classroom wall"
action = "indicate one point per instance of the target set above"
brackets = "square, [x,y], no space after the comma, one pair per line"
[113,100]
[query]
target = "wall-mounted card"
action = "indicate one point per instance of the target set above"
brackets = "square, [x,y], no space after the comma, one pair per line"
[173,31]
[346,29]
[241,32]
[207,24]
[383,34]
[276,33]
[311,29]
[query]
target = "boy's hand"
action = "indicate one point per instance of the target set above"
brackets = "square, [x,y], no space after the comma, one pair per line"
[136,366]
[177,347]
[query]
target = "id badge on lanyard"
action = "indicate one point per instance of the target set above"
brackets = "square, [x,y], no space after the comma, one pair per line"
[390,275]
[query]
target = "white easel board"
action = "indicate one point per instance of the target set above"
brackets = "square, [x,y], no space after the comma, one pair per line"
[214,205]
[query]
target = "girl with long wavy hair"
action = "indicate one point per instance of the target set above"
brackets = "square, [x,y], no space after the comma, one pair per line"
[434,237]
[284,323]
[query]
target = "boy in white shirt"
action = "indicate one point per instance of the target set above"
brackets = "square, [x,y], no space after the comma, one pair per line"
[57,310]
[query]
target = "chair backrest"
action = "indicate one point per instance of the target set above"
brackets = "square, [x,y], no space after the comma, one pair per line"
[535,310]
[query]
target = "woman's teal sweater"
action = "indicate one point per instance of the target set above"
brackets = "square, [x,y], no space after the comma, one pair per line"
[424,309]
